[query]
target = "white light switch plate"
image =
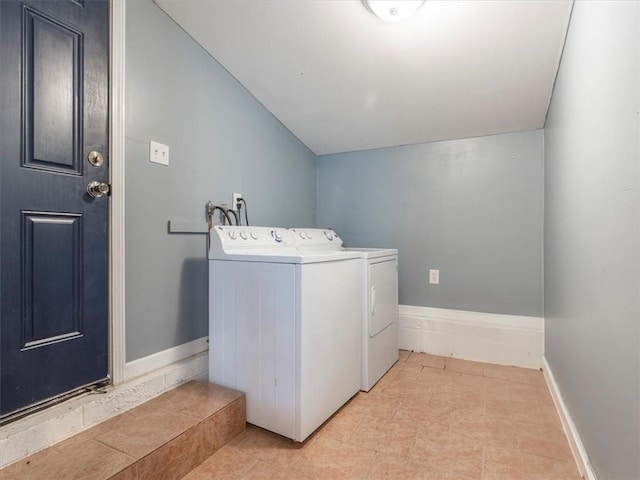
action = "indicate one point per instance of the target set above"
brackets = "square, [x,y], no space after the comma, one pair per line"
[158,153]
[434,277]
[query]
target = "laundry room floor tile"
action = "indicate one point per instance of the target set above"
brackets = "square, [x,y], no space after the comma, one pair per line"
[163,439]
[426,360]
[90,461]
[428,418]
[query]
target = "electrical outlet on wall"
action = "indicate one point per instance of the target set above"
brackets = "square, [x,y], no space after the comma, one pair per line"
[236,198]
[434,277]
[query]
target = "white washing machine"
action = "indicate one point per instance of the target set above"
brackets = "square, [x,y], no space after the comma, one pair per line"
[379,294]
[284,327]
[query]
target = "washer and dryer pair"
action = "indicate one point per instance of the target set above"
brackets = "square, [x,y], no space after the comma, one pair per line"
[286,323]
[379,284]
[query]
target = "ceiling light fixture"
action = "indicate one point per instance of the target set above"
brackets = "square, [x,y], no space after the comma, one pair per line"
[393,10]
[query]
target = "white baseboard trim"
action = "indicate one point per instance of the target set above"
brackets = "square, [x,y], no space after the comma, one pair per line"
[152,362]
[570,429]
[40,430]
[482,337]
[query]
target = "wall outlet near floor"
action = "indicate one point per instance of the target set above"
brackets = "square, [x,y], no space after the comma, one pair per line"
[434,277]
[158,153]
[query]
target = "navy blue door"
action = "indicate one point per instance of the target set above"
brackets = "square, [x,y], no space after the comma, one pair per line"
[53,234]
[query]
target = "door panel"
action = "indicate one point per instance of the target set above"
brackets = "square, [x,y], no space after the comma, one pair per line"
[52,249]
[53,72]
[53,235]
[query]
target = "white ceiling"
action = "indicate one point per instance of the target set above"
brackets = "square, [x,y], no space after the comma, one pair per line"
[341,79]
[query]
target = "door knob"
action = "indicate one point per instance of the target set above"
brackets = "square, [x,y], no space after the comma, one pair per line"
[97,189]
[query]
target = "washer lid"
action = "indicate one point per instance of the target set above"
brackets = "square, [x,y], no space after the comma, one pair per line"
[285,256]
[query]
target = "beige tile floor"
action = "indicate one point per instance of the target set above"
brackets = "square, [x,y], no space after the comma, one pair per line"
[429,418]
[162,439]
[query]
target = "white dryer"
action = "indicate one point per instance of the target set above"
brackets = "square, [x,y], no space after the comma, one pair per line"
[284,327]
[379,294]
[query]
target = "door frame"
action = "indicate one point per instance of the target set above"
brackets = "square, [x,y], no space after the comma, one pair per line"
[117,339]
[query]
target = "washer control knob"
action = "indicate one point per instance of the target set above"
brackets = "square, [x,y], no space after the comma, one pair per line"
[277,236]
[243,235]
[254,235]
[303,235]
[329,235]
[309,236]
[232,235]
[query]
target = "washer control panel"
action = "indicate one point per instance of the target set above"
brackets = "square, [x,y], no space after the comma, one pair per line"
[227,237]
[316,237]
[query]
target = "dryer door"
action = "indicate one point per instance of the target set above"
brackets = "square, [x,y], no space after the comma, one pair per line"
[383,295]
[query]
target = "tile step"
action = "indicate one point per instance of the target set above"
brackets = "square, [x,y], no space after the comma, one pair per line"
[162,439]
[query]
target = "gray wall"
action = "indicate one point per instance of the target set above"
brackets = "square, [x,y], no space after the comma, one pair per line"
[222,140]
[592,243]
[471,208]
